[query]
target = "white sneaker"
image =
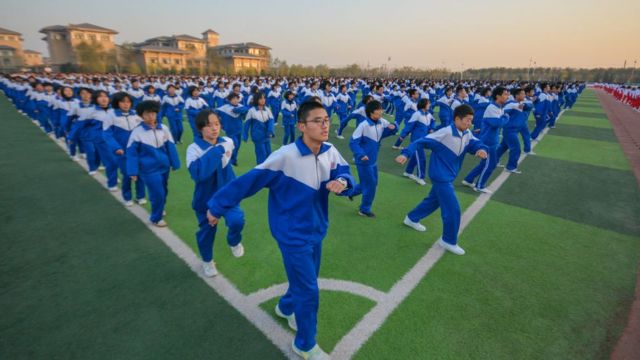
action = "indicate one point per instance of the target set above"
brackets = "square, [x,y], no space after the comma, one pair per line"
[500,165]
[164,212]
[128,203]
[238,250]
[419,181]
[84,156]
[113,189]
[340,137]
[209,269]
[142,201]
[466,183]
[316,353]
[406,174]
[398,147]
[531,153]
[483,190]
[92,173]
[414,225]
[451,248]
[101,167]
[75,158]
[160,223]
[291,319]
[514,171]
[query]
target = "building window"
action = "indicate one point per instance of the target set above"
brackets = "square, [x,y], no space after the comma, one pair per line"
[177,61]
[79,36]
[105,37]
[1,37]
[166,61]
[92,37]
[153,61]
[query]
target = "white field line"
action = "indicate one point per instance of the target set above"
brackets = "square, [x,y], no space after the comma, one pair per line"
[371,322]
[248,305]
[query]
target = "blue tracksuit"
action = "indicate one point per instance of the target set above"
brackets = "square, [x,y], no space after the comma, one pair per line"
[448,147]
[88,130]
[193,106]
[446,114]
[209,168]
[541,113]
[524,130]
[231,121]
[150,154]
[419,125]
[359,114]
[478,113]
[172,108]
[289,120]
[298,218]
[260,124]
[510,132]
[342,106]
[117,129]
[136,96]
[274,102]
[493,120]
[365,141]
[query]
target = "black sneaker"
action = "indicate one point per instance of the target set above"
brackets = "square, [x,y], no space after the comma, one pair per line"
[366,214]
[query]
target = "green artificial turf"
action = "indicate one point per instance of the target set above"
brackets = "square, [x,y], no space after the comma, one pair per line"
[82,278]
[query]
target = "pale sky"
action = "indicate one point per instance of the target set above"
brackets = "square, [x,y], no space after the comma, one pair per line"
[425,34]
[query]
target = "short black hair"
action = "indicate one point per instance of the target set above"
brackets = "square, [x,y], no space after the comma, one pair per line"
[372,106]
[497,91]
[232,96]
[62,92]
[423,103]
[516,91]
[96,94]
[462,111]
[306,107]
[202,119]
[118,97]
[147,106]
[191,89]
[366,99]
[528,89]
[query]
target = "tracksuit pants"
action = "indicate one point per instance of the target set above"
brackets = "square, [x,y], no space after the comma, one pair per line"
[206,234]
[443,196]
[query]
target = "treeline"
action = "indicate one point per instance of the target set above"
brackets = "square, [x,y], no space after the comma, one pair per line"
[123,59]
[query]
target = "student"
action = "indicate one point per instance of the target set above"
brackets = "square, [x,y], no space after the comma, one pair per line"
[298,215]
[208,160]
[151,153]
[193,105]
[516,110]
[448,147]
[100,115]
[343,105]
[358,114]
[541,110]
[151,95]
[117,129]
[419,125]
[480,104]
[365,145]
[327,98]
[259,122]
[171,107]
[231,116]
[444,103]
[289,118]
[75,122]
[136,92]
[66,107]
[524,130]
[410,102]
[274,101]
[494,119]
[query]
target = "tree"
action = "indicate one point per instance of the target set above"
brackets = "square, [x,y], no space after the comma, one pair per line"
[91,57]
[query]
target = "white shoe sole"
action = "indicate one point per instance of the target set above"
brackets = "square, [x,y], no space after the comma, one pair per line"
[291,319]
[415,226]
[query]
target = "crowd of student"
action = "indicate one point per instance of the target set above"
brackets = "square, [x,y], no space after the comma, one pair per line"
[627,94]
[118,122]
